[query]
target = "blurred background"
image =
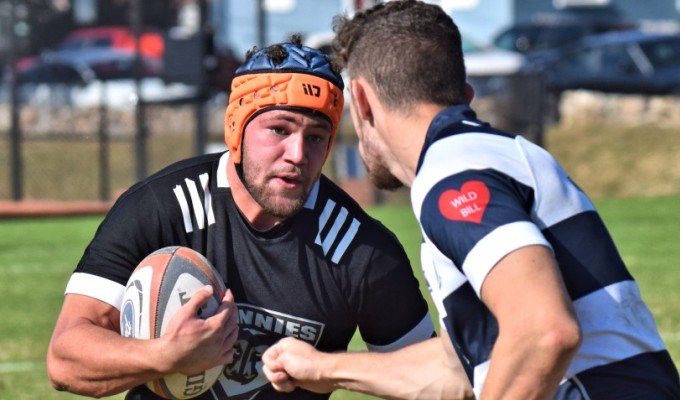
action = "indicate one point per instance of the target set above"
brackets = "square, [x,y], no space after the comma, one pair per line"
[96,95]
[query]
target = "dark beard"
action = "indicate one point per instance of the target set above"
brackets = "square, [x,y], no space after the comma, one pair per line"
[260,196]
[383,179]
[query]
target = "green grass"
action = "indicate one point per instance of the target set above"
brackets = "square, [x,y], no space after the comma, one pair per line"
[38,255]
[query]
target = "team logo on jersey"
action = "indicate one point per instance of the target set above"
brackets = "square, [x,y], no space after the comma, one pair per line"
[467,204]
[259,328]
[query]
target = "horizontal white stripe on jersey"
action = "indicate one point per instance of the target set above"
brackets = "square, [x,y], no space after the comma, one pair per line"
[517,158]
[420,332]
[496,245]
[626,329]
[97,287]
[602,345]
[451,155]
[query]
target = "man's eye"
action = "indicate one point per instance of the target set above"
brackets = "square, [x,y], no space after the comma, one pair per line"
[279,131]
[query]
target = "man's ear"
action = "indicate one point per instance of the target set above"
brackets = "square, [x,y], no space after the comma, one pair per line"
[469,93]
[361,101]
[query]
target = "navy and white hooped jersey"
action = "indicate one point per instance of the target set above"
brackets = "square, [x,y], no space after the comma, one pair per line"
[479,194]
[319,276]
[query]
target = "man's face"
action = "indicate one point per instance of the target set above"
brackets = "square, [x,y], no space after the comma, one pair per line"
[283,153]
[372,151]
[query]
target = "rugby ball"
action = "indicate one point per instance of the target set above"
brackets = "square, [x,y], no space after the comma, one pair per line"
[161,283]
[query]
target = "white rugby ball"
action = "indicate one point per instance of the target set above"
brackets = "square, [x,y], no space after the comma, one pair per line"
[161,283]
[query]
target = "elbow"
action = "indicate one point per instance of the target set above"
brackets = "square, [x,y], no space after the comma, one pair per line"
[58,380]
[564,340]
[59,376]
[62,378]
[55,372]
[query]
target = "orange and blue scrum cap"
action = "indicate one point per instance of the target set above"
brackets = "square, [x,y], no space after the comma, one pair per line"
[303,79]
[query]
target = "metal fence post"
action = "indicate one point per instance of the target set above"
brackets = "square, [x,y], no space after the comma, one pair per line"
[16,167]
[141,154]
[104,170]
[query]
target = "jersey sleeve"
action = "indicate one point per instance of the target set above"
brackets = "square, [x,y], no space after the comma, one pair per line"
[476,217]
[133,228]
[393,311]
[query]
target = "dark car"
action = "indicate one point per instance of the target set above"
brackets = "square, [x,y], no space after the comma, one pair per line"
[549,33]
[628,62]
[631,62]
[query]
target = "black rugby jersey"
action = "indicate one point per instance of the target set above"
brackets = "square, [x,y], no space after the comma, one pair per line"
[317,277]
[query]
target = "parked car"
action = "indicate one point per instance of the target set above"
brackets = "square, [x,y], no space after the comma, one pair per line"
[109,52]
[630,62]
[489,60]
[488,68]
[549,33]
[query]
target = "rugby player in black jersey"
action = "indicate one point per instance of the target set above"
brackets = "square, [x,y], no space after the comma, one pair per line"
[300,256]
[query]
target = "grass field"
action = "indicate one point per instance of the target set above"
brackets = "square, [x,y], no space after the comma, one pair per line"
[38,255]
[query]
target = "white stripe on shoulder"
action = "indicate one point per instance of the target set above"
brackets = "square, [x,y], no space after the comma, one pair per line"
[556,197]
[222,180]
[496,245]
[346,240]
[468,151]
[97,287]
[184,206]
[420,332]
[338,233]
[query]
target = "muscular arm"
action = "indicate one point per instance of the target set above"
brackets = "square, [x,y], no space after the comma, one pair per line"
[538,332]
[88,356]
[425,370]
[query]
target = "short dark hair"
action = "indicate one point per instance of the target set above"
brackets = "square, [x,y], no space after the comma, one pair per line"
[409,51]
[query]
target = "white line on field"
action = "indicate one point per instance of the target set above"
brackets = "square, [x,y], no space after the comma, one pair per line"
[18,366]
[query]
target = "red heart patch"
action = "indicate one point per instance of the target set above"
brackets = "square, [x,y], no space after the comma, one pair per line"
[466,205]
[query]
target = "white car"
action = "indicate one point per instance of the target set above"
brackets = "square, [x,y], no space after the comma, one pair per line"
[490,60]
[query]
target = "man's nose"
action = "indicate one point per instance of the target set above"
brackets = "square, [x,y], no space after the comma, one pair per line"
[295,149]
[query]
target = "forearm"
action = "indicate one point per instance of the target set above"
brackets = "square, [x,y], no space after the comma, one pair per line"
[529,369]
[420,371]
[93,361]
[538,331]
